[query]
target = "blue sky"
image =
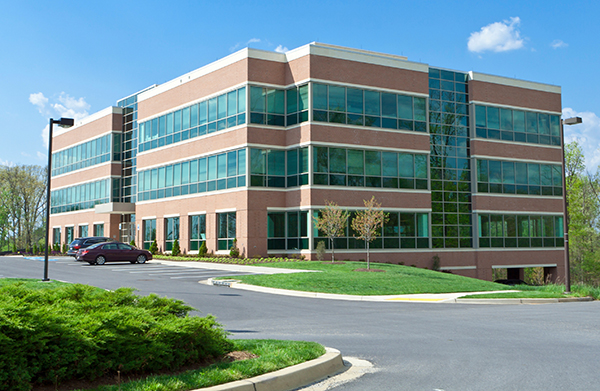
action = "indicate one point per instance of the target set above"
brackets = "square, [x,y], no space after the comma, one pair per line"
[73,58]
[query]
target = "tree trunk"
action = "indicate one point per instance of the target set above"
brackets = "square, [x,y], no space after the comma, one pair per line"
[332,251]
[368,260]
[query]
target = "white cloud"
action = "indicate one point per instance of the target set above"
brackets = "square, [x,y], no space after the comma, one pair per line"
[252,40]
[237,45]
[587,135]
[281,49]
[557,43]
[39,100]
[63,106]
[6,163]
[497,37]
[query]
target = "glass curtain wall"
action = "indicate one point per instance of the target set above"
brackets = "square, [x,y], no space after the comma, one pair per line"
[450,168]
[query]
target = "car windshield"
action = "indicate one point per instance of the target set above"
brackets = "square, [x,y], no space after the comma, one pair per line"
[76,242]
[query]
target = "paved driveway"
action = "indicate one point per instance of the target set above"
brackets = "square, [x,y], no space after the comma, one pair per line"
[414,346]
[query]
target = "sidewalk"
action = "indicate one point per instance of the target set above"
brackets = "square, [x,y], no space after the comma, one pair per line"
[412,298]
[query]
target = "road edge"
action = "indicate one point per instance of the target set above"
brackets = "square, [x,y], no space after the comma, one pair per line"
[289,378]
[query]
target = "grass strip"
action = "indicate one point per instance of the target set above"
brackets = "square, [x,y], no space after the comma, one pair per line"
[550,291]
[343,279]
[273,355]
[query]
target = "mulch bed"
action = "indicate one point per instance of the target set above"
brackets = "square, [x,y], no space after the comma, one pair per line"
[113,379]
[370,270]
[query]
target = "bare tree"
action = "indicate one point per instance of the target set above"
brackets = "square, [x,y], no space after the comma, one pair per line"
[332,221]
[367,223]
[25,200]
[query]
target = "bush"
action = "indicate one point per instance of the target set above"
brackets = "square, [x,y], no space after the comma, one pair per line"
[153,248]
[176,250]
[234,251]
[51,335]
[320,250]
[132,243]
[203,250]
[65,248]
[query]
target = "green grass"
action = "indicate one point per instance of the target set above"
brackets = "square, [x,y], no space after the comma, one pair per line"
[273,355]
[32,283]
[342,279]
[224,259]
[550,291]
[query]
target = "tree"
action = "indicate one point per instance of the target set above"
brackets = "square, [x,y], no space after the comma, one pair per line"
[176,250]
[368,222]
[203,249]
[332,221]
[154,248]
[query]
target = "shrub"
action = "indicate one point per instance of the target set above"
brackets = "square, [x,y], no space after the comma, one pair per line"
[65,248]
[35,249]
[435,263]
[320,250]
[176,250]
[51,335]
[154,248]
[234,251]
[132,243]
[203,250]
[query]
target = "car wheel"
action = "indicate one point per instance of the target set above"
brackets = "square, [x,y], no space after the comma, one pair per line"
[100,260]
[141,258]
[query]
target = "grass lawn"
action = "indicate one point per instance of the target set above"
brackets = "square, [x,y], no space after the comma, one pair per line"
[342,279]
[272,355]
[32,283]
[551,291]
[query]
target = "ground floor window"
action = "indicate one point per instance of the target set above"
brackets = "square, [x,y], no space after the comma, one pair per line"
[227,230]
[197,231]
[149,230]
[83,231]
[98,229]
[69,234]
[55,235]
[287,230]
[499,230]
[401,230]
[172,232]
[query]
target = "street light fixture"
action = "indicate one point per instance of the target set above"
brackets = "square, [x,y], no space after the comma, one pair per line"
[567,121]
[63,123]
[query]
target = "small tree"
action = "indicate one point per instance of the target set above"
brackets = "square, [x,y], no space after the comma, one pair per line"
[203,249]
[154,248]
[176,250]
[332,222]
[367,222]
[65,248]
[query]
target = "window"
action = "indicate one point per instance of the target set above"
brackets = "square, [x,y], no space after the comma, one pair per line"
[98,229]
[401,230]
[517,125]
[55,235]
[519,178]
[497,230]
[78,197]
[268,167]
[227,230]
[83,231]
[171,232]
[209,116]
[197,231]
[216,172]
[149,232]
[69,234]
[287,230]
[365,168]
[352,106]
[84,155]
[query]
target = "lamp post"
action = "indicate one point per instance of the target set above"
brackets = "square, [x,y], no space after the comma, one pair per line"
[563,122]
[63,123]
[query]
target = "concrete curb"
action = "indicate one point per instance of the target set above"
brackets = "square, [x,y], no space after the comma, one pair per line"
[415,298]
[523,301]
[289,378]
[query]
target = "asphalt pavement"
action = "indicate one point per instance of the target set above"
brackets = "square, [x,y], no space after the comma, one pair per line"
[413,346]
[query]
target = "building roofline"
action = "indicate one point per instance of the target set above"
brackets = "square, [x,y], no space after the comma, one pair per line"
[90,118]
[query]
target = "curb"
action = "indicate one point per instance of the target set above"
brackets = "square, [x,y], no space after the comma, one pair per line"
[289,378]
[522,301]
[236,284]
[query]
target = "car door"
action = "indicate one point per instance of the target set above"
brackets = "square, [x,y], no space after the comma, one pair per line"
[126,252]
[111,251]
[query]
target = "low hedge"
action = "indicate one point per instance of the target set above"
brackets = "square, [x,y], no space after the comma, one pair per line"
[80,332]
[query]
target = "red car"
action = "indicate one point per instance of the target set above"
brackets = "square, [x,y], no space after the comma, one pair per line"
[100,253]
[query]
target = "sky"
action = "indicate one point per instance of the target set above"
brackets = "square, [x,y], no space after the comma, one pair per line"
[74,58]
